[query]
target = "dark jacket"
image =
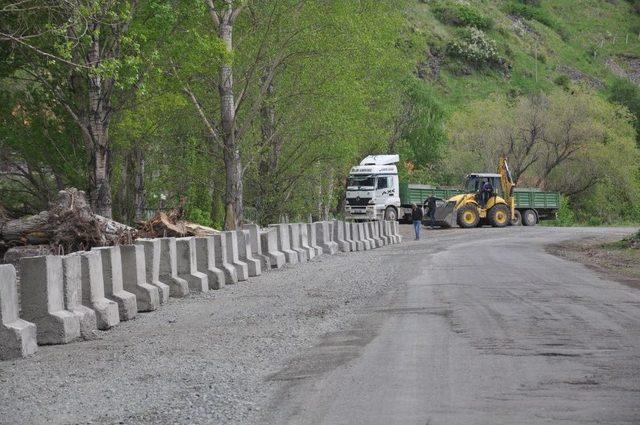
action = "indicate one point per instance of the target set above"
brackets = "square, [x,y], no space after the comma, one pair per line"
[416,215]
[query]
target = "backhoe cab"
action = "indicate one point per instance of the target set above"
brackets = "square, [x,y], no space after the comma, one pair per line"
[471,210]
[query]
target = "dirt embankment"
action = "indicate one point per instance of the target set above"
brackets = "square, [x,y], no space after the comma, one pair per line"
[616,259]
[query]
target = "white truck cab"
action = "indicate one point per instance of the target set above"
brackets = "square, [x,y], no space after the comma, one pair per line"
[373,191]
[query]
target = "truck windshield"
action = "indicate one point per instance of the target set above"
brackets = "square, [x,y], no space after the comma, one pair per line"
[361,181]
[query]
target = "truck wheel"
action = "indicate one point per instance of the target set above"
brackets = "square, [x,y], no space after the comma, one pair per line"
[390,214]
[468,217]
[498,215]
[529,218]
[517,220]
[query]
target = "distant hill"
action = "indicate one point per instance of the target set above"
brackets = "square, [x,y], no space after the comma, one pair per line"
[476,48]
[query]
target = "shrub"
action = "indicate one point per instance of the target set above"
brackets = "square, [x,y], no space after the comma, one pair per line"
[461,15]
[473,46]
[565,216]
[562,81]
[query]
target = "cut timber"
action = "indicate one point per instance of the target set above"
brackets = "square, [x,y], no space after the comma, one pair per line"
[69,225]
[169,224]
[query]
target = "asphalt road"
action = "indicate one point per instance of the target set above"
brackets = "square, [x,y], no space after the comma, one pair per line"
[466,327]
[489,329]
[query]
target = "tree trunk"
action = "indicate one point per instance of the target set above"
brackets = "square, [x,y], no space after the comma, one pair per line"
[139,197]
[270,156]
[96,134]
[232,160]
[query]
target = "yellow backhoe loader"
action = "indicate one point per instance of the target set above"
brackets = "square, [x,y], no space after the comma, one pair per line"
[478,206]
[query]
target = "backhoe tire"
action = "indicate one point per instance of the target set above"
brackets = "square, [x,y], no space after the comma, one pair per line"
[517,221]
[529,218]
[390,214]
[468,217]
[498,215]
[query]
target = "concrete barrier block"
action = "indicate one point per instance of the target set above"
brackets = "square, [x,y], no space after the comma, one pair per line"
[222,259]
[152,256]
[107,312]
[72,288]
[396,231]
[368,243]
[178,287]
[323,236]
[294,242]
[242,270]
[356,237]
[380,232]
[42,296]
[313,238]
[269,244]
[134,278]
[304,241]
[113,285]
[245,255]
[284,243]
[386,229]
[347,236]
[338,236]
[373,231]
[256,246]
[17,336]
[206,262]
[188,266]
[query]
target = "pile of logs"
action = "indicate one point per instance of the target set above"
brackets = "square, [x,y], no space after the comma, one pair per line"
[69,225]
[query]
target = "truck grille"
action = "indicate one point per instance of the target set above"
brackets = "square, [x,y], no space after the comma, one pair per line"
[358,202]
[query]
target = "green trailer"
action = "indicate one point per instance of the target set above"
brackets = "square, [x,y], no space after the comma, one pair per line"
[532,203]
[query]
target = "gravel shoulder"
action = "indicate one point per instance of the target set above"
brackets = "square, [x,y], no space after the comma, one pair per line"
[203,359]
[606,254]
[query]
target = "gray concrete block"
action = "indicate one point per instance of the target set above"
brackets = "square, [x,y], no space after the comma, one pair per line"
[396,231]
[231,240]
[152,256]
[188,265]
[245,255]
[113,285]
[323,237]
[42,297]
[313,238]
[256,246]
[355,236]
[178,287]
[72,288]
[347,236]
[294,242]
[107,312]
[362,231]
[134,278]
[222,259]
[388,240]
[17,336]
[338,236]
[367,232]
[373,232]
[206,262]
[304,241]
[284,243]
[269,245]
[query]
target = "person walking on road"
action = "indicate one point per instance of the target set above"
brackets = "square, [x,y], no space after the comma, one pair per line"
[430,203]
[416,216]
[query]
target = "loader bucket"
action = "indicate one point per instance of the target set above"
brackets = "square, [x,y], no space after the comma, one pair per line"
[445,215]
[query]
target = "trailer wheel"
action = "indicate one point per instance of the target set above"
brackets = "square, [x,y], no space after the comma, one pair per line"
[517,220]
[498,215]
[529,218]
[390,214]
[468,217]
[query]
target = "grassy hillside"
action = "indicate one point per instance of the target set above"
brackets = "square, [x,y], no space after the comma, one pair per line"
[523,45]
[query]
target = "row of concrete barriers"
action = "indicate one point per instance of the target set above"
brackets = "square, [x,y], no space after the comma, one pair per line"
[67,298]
